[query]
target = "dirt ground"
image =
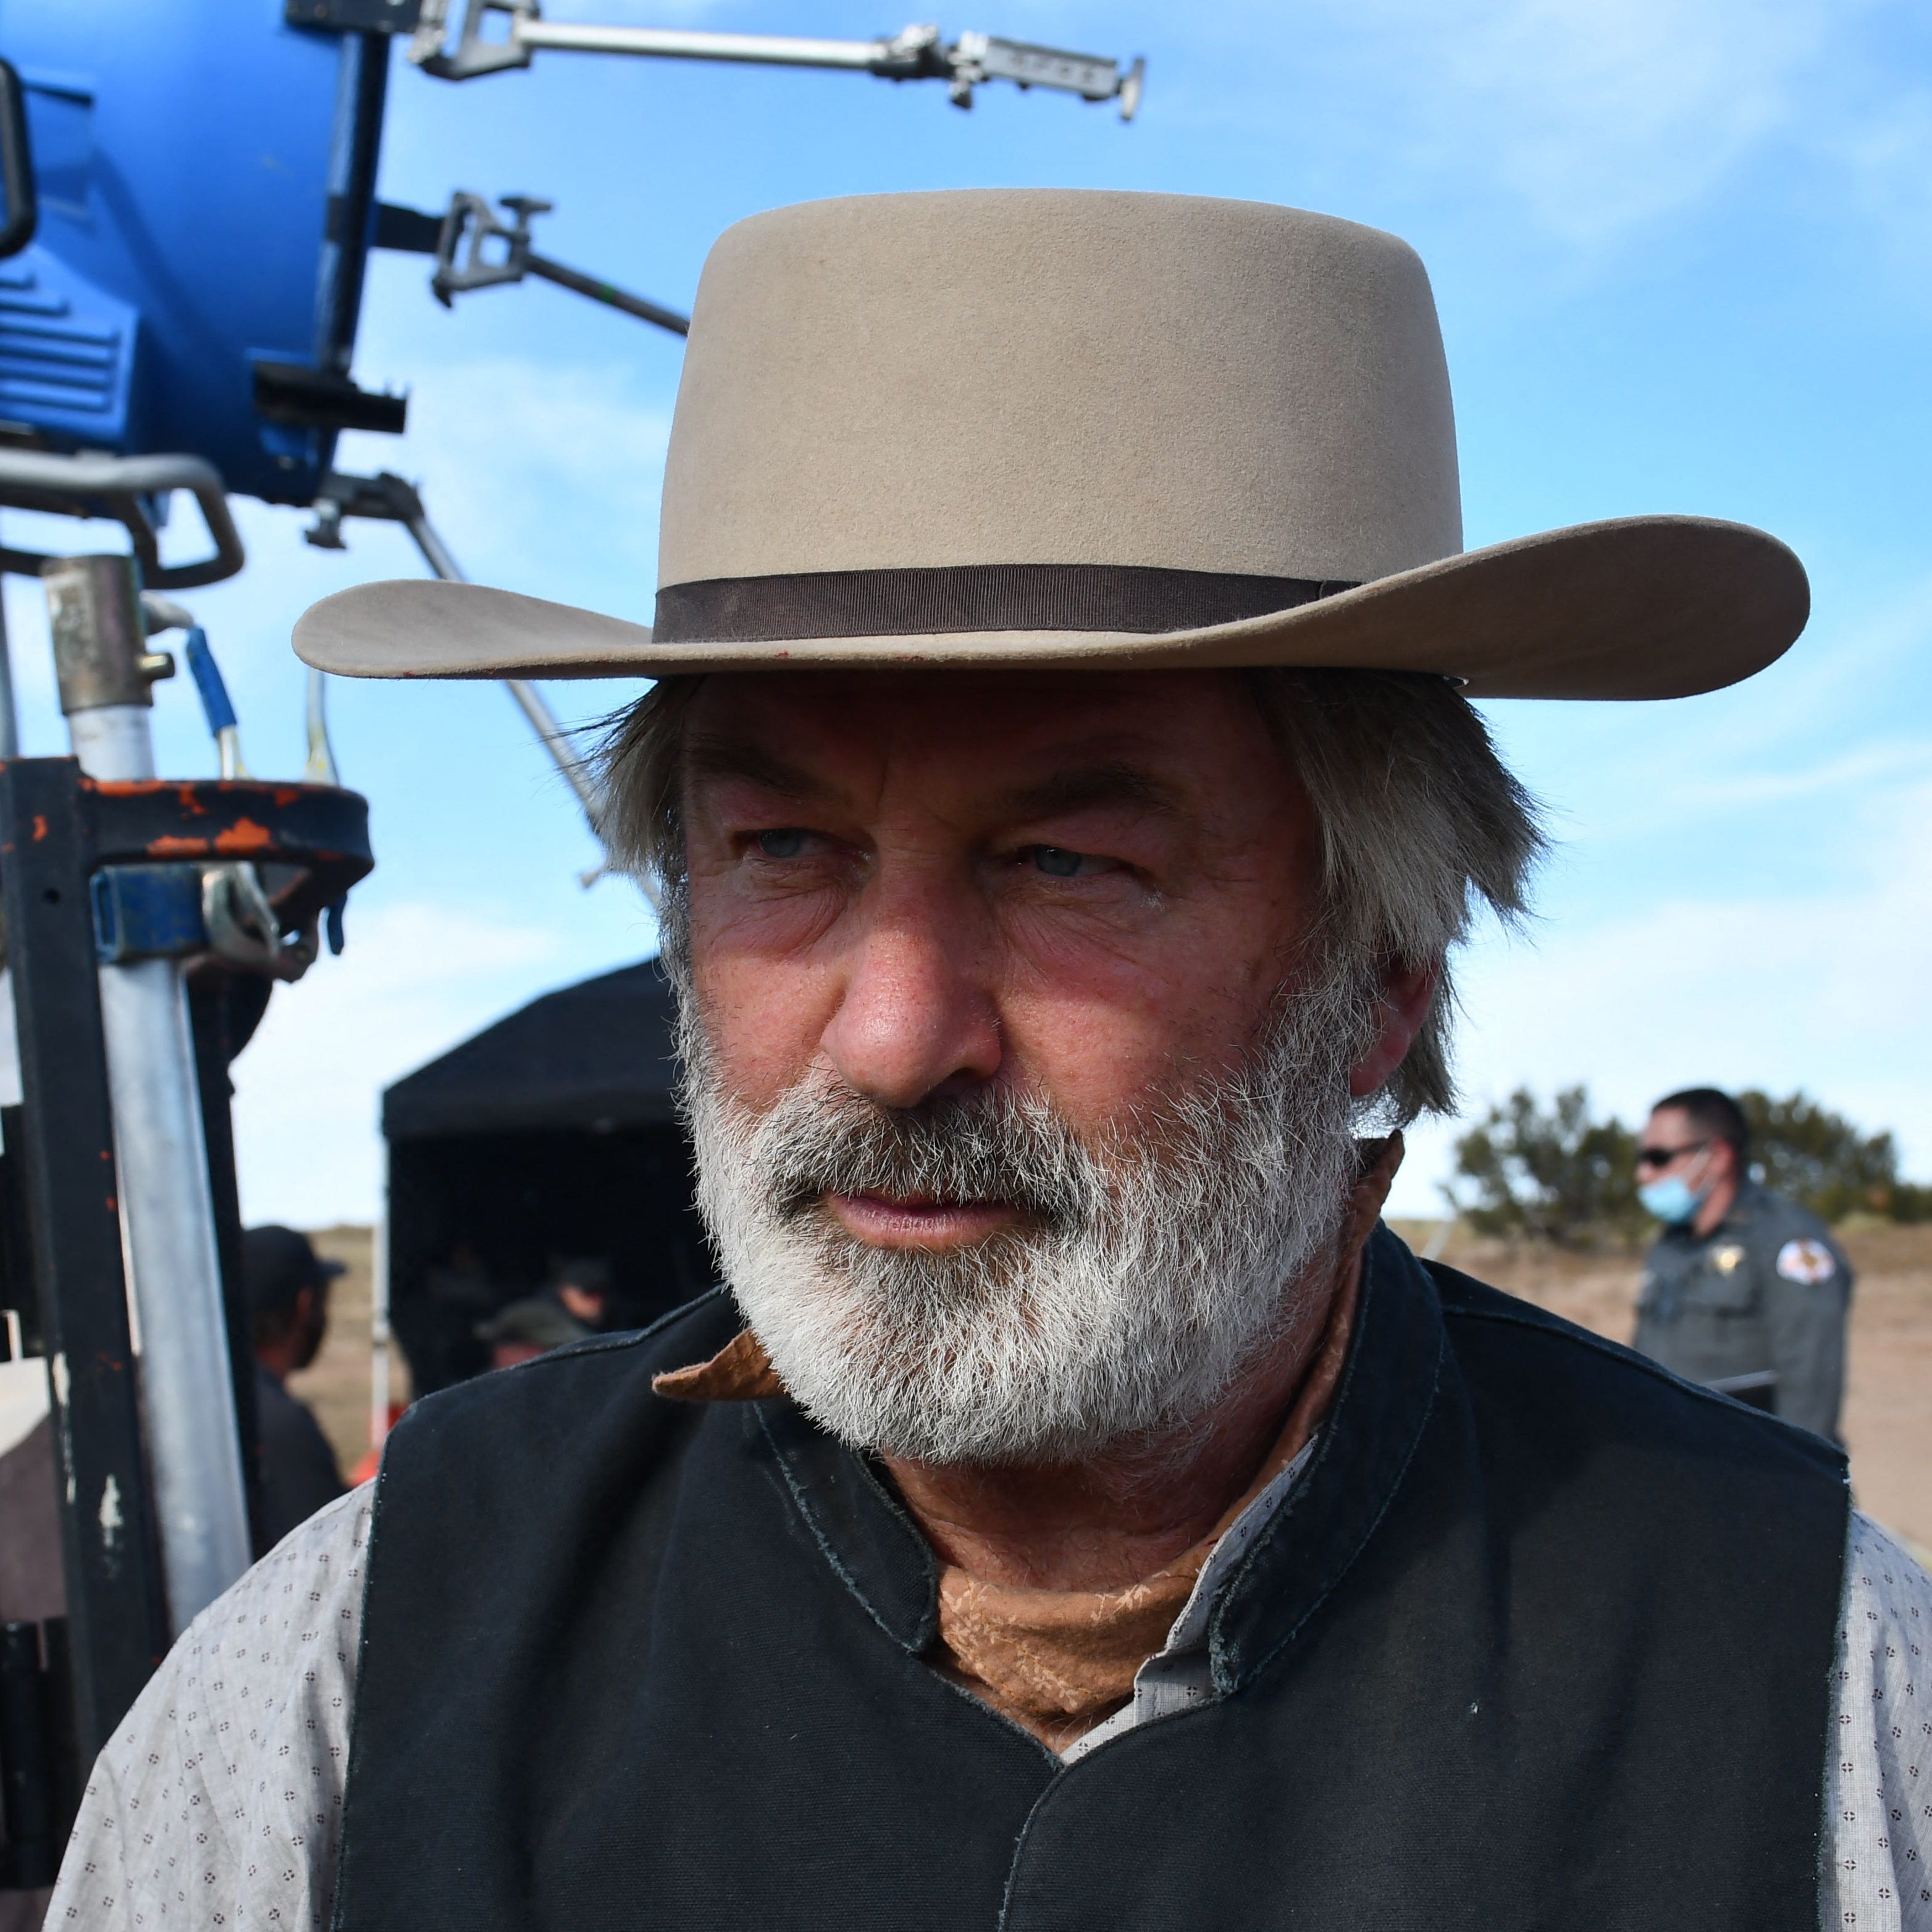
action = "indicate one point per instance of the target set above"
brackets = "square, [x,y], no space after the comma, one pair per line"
[336,1387]
[1888,1406]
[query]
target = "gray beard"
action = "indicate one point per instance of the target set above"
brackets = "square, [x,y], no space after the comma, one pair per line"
[1147,1271]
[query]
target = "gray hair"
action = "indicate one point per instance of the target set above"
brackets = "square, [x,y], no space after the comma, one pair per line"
[1421,823]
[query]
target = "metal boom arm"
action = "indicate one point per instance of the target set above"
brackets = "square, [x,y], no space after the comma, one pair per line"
[914,53]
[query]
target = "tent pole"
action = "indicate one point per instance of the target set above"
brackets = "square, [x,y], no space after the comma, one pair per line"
[379,1317]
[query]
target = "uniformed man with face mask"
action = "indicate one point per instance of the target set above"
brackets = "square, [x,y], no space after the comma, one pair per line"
[1743,1292]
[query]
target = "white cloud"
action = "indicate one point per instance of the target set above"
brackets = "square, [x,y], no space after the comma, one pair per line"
[414,981]
[1825,991]
[1850,772]
[1600,117]
[542,478]
[1884,150]
[1593,120]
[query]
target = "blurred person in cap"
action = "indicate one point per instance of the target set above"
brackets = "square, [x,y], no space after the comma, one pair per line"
[287,1285]
[528,1328]
[583,1287]
[1076,1509]
[1743,1290]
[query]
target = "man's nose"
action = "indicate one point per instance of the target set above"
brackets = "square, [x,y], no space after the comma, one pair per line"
[916,1016]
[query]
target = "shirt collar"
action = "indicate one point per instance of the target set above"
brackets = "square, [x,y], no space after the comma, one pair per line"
[1305,1537]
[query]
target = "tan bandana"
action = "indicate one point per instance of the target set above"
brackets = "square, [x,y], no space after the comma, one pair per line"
[741,1371]
[1058,1661]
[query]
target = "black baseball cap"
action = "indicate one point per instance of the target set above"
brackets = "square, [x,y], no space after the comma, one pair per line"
[277,1264]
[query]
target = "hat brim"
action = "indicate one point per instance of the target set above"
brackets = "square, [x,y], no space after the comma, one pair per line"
[1638,607]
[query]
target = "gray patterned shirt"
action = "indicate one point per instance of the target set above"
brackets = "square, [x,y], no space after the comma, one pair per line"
[217,1806]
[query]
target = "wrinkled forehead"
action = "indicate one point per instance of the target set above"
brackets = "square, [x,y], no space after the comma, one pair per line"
[1190,735]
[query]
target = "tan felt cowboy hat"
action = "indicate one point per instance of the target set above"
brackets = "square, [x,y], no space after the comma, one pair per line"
[1037,427]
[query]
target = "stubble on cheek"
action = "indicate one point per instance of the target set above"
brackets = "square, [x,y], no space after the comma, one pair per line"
[752,1025]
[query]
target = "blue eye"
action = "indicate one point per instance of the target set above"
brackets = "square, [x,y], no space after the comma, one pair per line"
[1057,862]
[787,842]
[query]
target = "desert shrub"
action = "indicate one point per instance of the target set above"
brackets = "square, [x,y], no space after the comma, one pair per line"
[1553,1173]
[1807,1152]
[1557,1172]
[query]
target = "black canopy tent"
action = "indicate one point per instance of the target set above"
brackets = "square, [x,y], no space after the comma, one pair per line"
[550,1135]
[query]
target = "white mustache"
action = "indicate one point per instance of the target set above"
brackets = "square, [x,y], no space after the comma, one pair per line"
[1151,1266]
[823,1138]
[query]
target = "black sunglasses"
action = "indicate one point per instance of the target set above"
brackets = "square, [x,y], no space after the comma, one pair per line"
[1664,1156]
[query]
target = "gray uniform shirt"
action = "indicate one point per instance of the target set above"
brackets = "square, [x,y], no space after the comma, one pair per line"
[1756,1308]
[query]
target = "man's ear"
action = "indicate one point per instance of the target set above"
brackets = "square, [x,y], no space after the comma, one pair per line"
[1408,992]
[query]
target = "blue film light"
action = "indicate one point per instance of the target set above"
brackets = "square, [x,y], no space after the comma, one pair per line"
[196,165]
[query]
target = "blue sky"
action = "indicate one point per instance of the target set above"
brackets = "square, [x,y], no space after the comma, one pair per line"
[1680,249]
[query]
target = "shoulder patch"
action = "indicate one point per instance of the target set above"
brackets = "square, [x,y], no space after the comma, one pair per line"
[1809,1261]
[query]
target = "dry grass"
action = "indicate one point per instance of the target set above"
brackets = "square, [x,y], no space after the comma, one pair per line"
[1888,1408]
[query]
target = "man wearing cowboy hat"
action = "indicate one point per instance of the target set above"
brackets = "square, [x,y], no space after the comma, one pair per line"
[1076,1509]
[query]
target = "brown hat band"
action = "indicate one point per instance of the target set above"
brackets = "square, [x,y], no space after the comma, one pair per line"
[915,603]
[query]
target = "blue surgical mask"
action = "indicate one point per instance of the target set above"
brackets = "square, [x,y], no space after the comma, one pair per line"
[1670,1200]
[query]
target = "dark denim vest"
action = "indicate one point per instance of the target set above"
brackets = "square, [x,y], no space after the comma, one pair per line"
[1541,1639]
